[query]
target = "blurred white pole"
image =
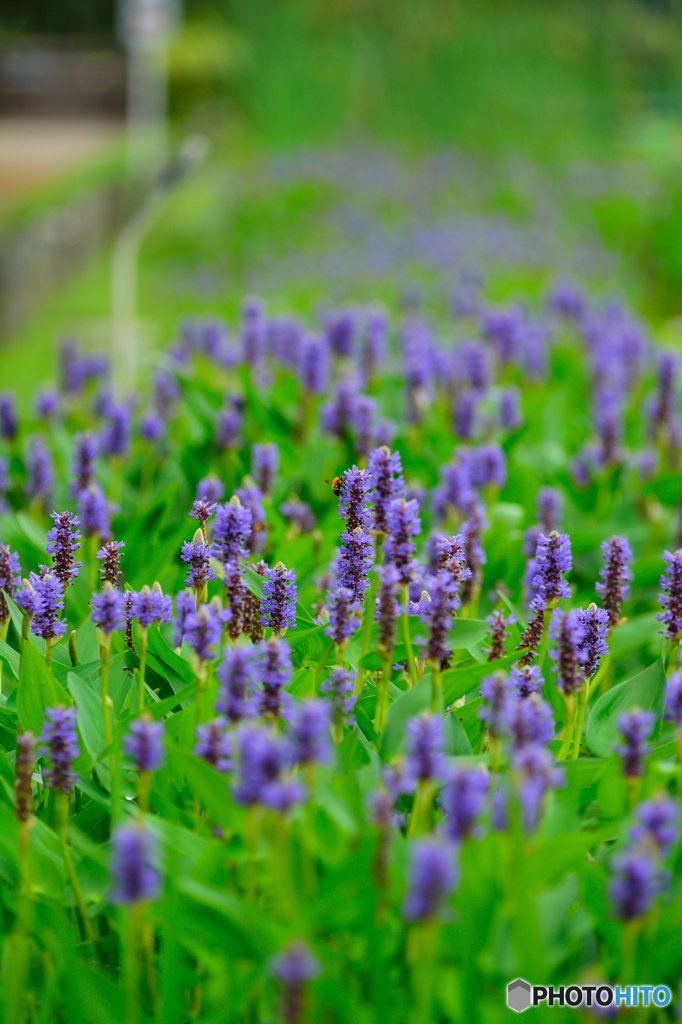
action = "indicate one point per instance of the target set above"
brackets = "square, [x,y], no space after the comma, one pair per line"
[125,263]
[146,28]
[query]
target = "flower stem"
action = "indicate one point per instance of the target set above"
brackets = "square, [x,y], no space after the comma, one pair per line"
[421,808]
[568,735]
[63,818]
[407,638]
[321,664]
[583,698]
[108,738]
[436,687]
[143,667]
[381,706]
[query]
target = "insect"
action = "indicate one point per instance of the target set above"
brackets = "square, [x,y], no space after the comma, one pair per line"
[336,485]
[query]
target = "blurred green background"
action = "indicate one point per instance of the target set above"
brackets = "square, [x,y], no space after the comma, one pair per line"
[576,103]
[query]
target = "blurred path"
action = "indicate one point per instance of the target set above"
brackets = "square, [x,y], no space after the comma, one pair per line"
[35,150]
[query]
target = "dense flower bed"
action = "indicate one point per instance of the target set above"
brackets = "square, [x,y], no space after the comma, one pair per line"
[335,687]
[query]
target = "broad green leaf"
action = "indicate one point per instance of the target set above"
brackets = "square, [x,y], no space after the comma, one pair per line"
[458,681]
[645,691]
[160,649]
[409,704]
[38,689]
[10,657]
[91,723]
[635,633]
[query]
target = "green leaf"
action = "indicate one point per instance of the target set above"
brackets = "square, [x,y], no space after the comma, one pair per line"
[308,644]
[633,634]
[466,633]
[38,689]
[645,691]
[409,704]
[209,786]
[160,649]
[457,681]
[10,658]
[90,723]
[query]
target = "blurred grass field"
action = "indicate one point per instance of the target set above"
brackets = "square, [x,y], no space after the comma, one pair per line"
[568,111]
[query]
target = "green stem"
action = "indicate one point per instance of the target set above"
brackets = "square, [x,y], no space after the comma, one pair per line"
[63,818]
[436,687]
[542,653]
[92,561]
[131,964]
[321,664]
[583,698]
[421,808]
[407,638]
[143,667]
[381,706]
[369,615]
[568,735]
[673,656]
[108,737]
[598,676]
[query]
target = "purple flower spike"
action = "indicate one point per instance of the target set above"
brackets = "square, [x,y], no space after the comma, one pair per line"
[309,732]
[278,604]
[657,825]
[342,610]
[536,773]
[39,472]
[499,698]
[298,514]
[143,744]
[134,855]
[525,680]
[568,653]
[339,686]
[263,759]
[424,758]
[59,744]
[108,610]
[387,605]
[497,634]
[553,557]
[438,614]
[463,800]
[670,597]
[635,727]
[399,547]
[314,360]
[83,462]
[235,675]
[354,498]
[151,605]
[595,624]
[214,745]
[185,605]
[433,876]
[264,466]
[473,552]
[615,577]
[93,512]
[292,968]
[355,562]
[10,578]
[197,556]
[116,433]
[110,556]
[48,601]
[531,723]
[273,671]
[202,509]
[9,423]
[210,490]
[231,531]
[634,885]
[204,630]
[386,477]
[63,539]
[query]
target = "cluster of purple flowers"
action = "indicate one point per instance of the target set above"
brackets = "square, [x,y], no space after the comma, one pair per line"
[637,872]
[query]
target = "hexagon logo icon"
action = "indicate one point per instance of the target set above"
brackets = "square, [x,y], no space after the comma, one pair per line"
[518,995]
